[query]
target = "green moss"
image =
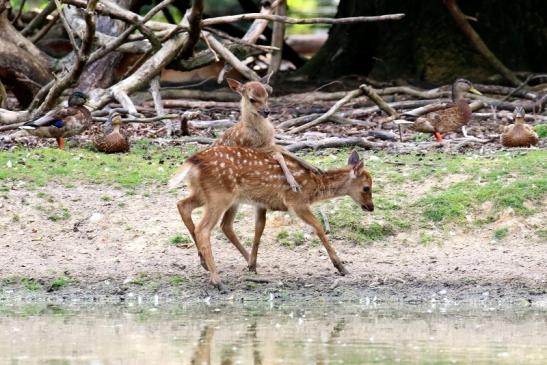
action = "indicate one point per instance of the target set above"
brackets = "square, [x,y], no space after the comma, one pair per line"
[180,239]
[146,163]
[176,280]
[541,130]
[59,283]
[501,233]
[31,284]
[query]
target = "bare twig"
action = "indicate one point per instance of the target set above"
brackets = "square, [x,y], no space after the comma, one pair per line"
[67,27]
[336,142]
[14,21]
[40,34]
[230,58]
[478,43]
[194,25]
[39,19]
[288,20]
[278,35]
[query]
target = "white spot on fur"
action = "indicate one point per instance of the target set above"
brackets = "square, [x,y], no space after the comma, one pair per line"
[222,164]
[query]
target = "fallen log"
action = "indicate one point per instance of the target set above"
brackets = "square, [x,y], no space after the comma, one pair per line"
[336,142]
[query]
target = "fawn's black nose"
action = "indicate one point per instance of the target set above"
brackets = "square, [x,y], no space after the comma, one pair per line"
[368,206]
[265,112]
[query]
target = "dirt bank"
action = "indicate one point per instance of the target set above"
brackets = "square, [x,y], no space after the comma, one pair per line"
[92,241]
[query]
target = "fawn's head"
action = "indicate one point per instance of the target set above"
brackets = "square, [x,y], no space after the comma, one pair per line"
[360,183]
[254,96]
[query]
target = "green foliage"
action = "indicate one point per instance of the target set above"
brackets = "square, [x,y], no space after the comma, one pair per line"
[541,130]
[141,279]
[176,280]
[59,282]
[180,239]
[145,164]
[31,284]
[501,233]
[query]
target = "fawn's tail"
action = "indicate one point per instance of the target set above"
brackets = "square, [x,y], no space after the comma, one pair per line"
[180,175]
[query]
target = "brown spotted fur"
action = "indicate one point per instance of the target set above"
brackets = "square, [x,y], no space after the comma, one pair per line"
[222,177]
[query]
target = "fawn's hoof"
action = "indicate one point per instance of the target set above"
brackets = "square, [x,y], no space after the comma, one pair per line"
[342,270]
[221,288]
[252,268]
[203,263]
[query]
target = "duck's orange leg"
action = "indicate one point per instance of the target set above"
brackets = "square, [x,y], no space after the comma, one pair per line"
[60,142]
[438,137]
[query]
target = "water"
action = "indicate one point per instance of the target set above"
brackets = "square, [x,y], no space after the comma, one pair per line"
[268,334]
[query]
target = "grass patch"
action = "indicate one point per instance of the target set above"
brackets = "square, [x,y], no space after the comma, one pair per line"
[59,283]
[180,239]
[146,163]
[60,215]
[541,130]
[141,279]
[501,233]
[176,280]
[31,284]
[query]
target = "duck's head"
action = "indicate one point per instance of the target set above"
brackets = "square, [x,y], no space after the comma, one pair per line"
[462,86]
[518,113]
[77,98]
[115,119]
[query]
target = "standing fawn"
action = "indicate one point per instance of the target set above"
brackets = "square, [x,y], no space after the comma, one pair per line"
[254,130]
[221,177]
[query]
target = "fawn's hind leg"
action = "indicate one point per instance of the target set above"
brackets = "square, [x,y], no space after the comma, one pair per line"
[290,179]
[227,226]
[213,212]
[185,207]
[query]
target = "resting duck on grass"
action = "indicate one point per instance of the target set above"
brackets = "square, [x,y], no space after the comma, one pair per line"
[115,141]
[450,119]
[519,134]
[62,122]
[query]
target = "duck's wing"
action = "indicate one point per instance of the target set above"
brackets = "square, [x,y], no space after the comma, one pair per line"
[56,118]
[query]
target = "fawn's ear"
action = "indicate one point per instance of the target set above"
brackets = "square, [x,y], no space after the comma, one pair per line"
[266,79]
[234,85]
[353,158]
[355,162]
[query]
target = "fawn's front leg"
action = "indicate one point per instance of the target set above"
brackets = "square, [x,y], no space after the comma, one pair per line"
[307,216]
[290,179]
[260,223]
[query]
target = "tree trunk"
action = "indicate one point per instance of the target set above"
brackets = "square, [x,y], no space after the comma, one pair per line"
[428,46]
[23,67]
[101,73]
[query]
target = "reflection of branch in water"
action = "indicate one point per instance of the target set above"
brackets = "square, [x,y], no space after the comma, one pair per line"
[322,358]
[257,357]
[202,355]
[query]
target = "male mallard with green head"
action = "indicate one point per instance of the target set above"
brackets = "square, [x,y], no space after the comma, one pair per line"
[62,122]
[115,141]
[519,134]
[452,118]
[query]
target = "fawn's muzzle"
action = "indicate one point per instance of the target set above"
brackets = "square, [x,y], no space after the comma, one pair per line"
[369,207]
[264,112]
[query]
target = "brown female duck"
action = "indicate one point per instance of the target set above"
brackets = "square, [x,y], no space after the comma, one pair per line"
[62,122]
[452,118]
[115,141]
[519,134]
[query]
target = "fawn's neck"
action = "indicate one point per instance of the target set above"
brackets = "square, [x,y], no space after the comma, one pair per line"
[254,122]
[331,184]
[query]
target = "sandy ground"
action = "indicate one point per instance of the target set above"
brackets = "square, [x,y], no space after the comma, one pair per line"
[120,247]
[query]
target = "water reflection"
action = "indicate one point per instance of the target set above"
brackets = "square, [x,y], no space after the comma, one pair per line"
[260,335]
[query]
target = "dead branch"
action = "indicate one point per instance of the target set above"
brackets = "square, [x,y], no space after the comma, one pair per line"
[39,19]
[141,120]
[192,104]
[336,142]
[194,31]
[117,42]
[478,43]
[206,124]
[363,90]
[230,58]
[42,32]
[278,36]
[226,36]
[70,77]
[288,20]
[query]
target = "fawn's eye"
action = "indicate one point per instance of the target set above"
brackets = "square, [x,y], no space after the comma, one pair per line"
[366,189]
[252,100]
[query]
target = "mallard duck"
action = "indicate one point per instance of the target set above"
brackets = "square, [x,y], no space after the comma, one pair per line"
[115,141]
[451,119]
[62,122]
[519,134]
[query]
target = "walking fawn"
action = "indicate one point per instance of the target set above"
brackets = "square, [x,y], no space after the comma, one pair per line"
[253,130]
[221,177]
